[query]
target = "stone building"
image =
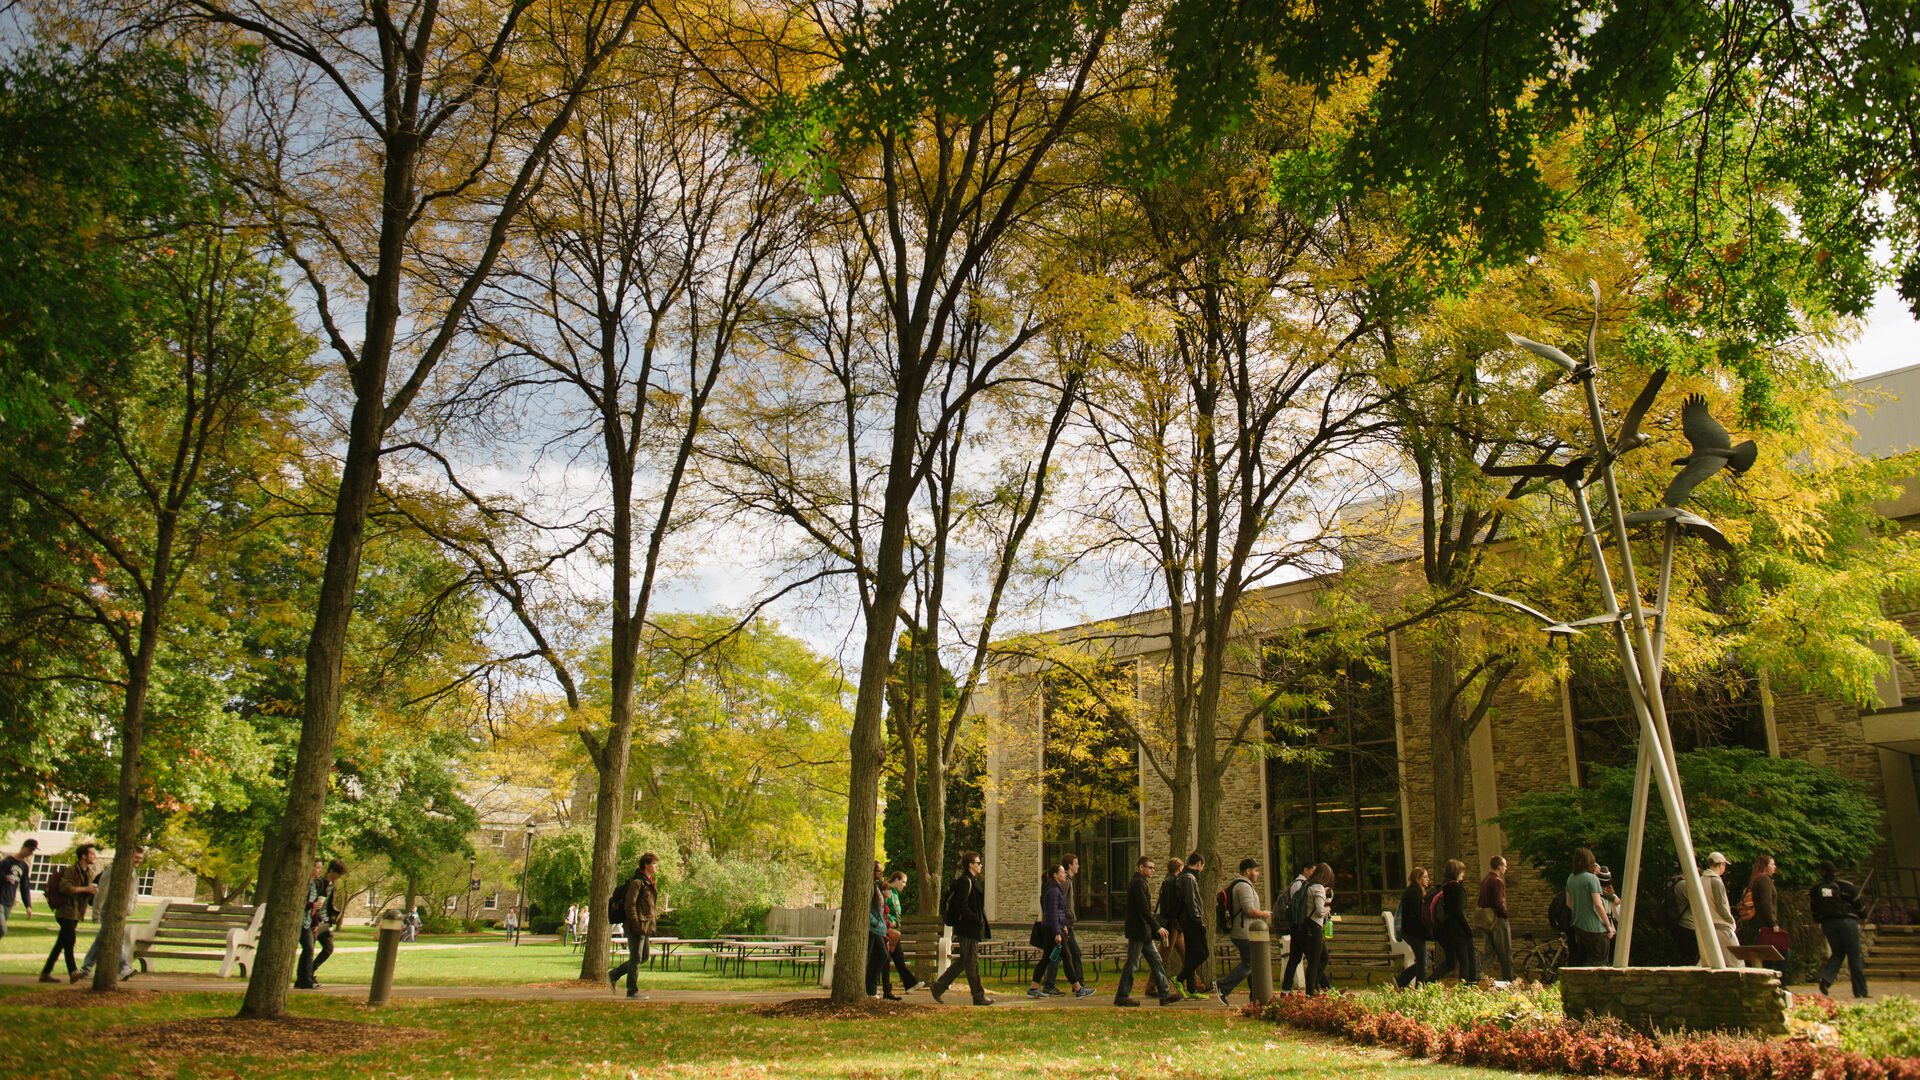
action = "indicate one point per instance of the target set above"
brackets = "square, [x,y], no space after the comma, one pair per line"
[54,829]
[1364,808]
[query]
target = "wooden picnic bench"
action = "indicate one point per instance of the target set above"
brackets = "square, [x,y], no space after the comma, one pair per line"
[187,931]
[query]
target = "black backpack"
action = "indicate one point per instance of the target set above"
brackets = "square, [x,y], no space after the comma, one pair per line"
[1560,912]
[1299,904]
[617,904]
[950,911]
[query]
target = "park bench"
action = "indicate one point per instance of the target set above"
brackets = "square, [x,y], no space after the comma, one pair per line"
[1364,946]
[189,931]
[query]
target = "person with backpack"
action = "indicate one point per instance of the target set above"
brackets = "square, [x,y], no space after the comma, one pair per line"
[877,935]
[1837,908]
[896,885]
[1491,916]
[1240,901]
[1144,932]
[1414,929]
[1447,914]
[1193,928]
[1168,909]
[1592,928]
[1070,961]
[126,928]
[1309,933]
[1296,908]
[16,882]
[966,912]
[314,921]
[1050,933]
[68,892]
[635,906]
[1759,908]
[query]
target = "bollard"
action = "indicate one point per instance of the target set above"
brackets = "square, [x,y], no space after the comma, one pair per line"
[391,924]
[1261,942]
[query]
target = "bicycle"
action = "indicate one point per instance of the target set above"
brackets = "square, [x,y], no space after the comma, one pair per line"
[1543,959]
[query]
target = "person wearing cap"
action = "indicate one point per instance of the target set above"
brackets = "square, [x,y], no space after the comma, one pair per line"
[1713,882]
[1243,903]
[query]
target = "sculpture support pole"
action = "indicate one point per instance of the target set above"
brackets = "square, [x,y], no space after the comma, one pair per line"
[1666,775]
[1650,750]
[1643,769]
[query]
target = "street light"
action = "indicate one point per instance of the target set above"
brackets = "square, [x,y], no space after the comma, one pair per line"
[526,861]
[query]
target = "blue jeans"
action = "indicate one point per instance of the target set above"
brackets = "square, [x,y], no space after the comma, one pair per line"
[1136,949]
[1843,939]
[1240,970]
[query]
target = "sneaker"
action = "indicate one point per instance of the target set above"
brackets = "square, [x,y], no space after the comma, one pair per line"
[1083,992]
[76,976]
[1051,992]
[1036,993]
[934,989]
[1222,995]
[635,995]
[1826,987]
[47,976]
[989,1001]
[1127,1002]
[613,982]
[1169,1000]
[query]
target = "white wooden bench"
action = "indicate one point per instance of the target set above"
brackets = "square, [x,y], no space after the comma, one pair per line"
[188,931]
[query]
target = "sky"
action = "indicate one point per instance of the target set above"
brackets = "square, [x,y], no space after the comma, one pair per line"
[1890,340]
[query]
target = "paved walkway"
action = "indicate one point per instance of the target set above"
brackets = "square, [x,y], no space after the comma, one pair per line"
[358,991]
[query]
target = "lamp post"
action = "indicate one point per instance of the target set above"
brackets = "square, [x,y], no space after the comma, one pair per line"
[526,860]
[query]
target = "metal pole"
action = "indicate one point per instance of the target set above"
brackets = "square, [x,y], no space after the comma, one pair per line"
[1260,943]
[385,954]
[1643,771]
[526,860]
[1642,643]
[1649,750]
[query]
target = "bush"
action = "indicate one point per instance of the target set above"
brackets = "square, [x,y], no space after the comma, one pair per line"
[560,872]
[719,897]
[1885,1027]
[545,924]
[1739,801]
[1542,1043]
[439,924]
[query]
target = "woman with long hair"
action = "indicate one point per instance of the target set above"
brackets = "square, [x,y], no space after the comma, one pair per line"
[1452,929]
[1413,926]
[1311,935]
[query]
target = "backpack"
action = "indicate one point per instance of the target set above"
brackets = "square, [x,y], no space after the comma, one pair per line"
[1431,909]
[1298,905]
[55,891]
[950,912]
[617,905]
[1744,910]
[1173,906]
[1560,912]
[1223,907]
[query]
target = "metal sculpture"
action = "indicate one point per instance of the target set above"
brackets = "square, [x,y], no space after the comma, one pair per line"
[1639,632]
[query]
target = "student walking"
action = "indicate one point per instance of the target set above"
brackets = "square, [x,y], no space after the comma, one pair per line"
[1193,928]
[1310,935]
[877,934]
[640,917]
[1050,933]
[15,883]
[68,893]
[1144,933]
[1762,910]
[1413,927]
[966,912]
[896,884]
[1168,909]
[1243,903]
[1295,905]
[1592,926]
[315,922]
[126,928]
[1836,906]
[1070,942]
[1451,928]
[1490,917]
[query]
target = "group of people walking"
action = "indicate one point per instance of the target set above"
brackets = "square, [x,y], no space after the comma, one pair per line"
[72,892]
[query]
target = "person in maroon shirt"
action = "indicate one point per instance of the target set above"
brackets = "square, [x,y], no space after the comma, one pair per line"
[1491,918]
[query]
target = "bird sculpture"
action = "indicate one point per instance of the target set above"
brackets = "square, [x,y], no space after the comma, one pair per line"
[1713,450]
[1566,471]
[1546,352]
[1630,438]
[1551,624]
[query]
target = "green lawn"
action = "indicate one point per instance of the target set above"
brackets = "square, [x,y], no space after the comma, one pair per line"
[616,1039]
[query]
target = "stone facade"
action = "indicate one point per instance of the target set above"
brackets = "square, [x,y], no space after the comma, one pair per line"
[1678,998]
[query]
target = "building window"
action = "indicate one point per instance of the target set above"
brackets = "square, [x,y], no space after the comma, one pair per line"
[497,837]
[1339,802]
[1091,783]
[58,818]
[40,870]
[1724,709]
[492,901]
[143,882]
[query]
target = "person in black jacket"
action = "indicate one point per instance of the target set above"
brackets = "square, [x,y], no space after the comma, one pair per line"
[1836,906]
[1168,910]
[1144,933]
[1454,930]
[1193,926]
[1413,926]
[967,913]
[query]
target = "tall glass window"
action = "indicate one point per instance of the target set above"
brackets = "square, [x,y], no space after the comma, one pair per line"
[1722,710]
[1091,787]
[1341,805]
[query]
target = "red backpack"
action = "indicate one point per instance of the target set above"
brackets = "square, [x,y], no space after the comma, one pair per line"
[1435,900]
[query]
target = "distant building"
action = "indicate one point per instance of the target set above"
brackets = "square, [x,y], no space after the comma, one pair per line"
[54,828]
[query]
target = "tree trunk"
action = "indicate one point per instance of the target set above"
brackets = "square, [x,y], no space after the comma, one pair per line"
[133,722]
[298,837]
[1444,738]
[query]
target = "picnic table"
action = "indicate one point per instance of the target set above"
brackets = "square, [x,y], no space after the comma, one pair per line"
[757,949]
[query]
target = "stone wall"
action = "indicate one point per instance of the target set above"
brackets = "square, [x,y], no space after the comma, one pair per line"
[1012,792]
[1678,998]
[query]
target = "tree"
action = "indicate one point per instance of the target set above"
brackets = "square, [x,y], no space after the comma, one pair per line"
[389,149]
[931,135]
[151,470]
[402,803]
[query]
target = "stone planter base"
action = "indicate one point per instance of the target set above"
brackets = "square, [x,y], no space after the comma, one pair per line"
[1678,998]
